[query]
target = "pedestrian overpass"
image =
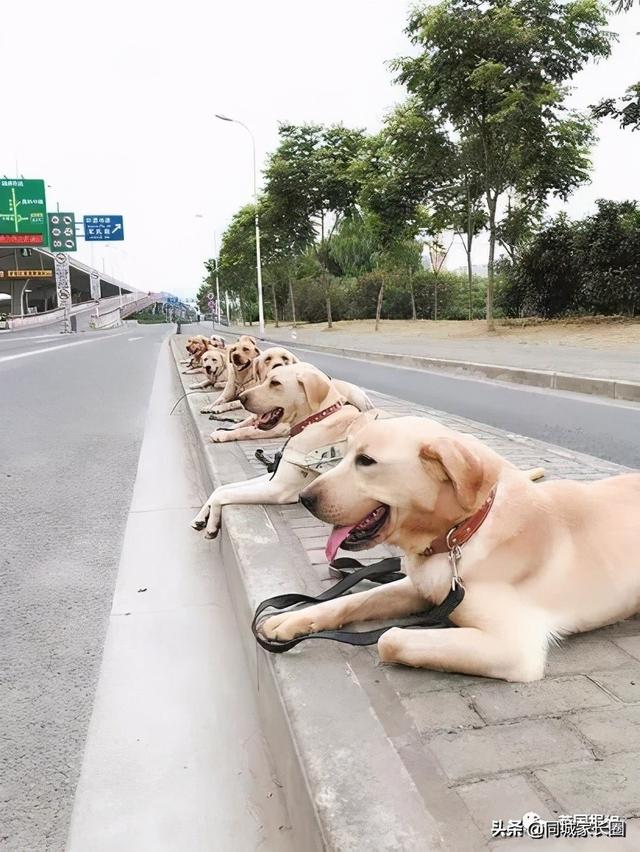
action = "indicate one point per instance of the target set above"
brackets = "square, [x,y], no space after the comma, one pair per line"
[28,285]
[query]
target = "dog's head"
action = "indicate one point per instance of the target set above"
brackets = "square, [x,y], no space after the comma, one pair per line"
[243,352]
[217,342]
[194,344]
[403,480]
[275,356]
[290,394]
[214,363]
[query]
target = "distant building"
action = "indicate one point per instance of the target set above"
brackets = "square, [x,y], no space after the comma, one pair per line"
[479,270]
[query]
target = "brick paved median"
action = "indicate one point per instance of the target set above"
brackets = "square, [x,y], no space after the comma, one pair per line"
[468,750]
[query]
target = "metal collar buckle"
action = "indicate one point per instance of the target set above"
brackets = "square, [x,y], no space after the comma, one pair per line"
[455,555]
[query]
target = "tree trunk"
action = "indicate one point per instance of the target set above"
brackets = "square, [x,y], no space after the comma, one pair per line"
[470,277]
[435,297]
[242,320]
[468,247]
[329,318]
[414,315]
[491,203]
[293,302]
[275,305]
[379,305]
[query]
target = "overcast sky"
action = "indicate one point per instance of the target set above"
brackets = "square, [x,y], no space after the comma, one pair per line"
[113,104]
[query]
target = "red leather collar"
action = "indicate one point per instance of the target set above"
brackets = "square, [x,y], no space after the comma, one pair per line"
[462,532]
[315,418]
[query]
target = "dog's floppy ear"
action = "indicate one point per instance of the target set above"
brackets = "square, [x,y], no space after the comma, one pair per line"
[260,369]
[457,463]
[316,386]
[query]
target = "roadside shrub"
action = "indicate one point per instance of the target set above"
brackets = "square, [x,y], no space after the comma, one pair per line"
[591,266]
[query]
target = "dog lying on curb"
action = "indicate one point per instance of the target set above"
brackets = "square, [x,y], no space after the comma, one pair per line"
[240,375]
[318,419]
[305,400]
[197,346]
[214,364]
[249,429]
[536,563]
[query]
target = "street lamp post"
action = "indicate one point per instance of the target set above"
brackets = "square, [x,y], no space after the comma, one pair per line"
[257,220]
[215,250]
[215,318]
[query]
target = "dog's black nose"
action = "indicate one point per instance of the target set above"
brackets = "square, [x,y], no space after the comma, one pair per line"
[308,501]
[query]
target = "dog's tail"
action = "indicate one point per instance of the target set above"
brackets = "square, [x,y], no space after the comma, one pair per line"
[535,473]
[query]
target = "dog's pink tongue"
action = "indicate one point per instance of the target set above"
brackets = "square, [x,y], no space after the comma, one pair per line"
[336,537]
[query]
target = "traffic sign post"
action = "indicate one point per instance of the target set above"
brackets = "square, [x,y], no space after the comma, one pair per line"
[62,231]
[23,213]
[211,302]
[100,229]
[63,289]
[94,284]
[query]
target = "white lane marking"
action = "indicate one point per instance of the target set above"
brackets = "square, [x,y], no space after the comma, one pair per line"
[134,338]
[53,348]
[18,338]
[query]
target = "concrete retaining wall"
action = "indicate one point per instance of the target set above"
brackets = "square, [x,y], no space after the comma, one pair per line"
[35,320]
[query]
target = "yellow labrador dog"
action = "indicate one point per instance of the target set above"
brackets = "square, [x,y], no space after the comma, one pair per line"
[214,364]
[246,429]
[265,364]
[240,374]
[305,401]
[536,562]
[197,347]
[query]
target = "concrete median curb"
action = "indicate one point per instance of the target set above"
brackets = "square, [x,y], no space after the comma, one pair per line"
[552,380]
[312,707]
[372,756]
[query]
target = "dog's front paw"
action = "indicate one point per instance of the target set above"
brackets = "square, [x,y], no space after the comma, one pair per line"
[288,625]
[220,436]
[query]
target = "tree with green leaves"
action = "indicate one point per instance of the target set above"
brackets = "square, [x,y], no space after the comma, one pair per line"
[497,73]
[311,183]
[625,110]
[238,261]
[403,171]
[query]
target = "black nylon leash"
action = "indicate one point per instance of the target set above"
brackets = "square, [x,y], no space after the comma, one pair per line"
[270,464]
[384,571]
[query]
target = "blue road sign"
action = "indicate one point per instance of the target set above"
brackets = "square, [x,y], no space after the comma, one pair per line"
[172,300]
[99,229]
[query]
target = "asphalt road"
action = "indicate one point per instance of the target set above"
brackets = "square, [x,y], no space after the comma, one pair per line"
[71,424]
[590,425]
[607,429]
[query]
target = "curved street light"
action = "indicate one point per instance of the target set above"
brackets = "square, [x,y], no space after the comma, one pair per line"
[255,202]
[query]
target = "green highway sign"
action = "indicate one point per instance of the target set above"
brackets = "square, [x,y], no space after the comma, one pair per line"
[23,213]
[62,231]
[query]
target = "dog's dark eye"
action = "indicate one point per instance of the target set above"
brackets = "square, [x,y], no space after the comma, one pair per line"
[274,383]
[365,461]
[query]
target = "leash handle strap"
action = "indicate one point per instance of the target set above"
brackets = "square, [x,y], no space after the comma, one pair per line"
[436,617]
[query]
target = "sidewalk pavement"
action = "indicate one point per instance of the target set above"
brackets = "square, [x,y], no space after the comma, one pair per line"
[389,758]
[623,363]
[613,373]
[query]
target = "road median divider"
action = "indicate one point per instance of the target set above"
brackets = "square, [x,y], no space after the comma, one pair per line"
[372,756]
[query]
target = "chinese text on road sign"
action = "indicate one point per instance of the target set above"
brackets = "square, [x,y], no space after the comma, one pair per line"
[23,212]
[103,228]
[26,273]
